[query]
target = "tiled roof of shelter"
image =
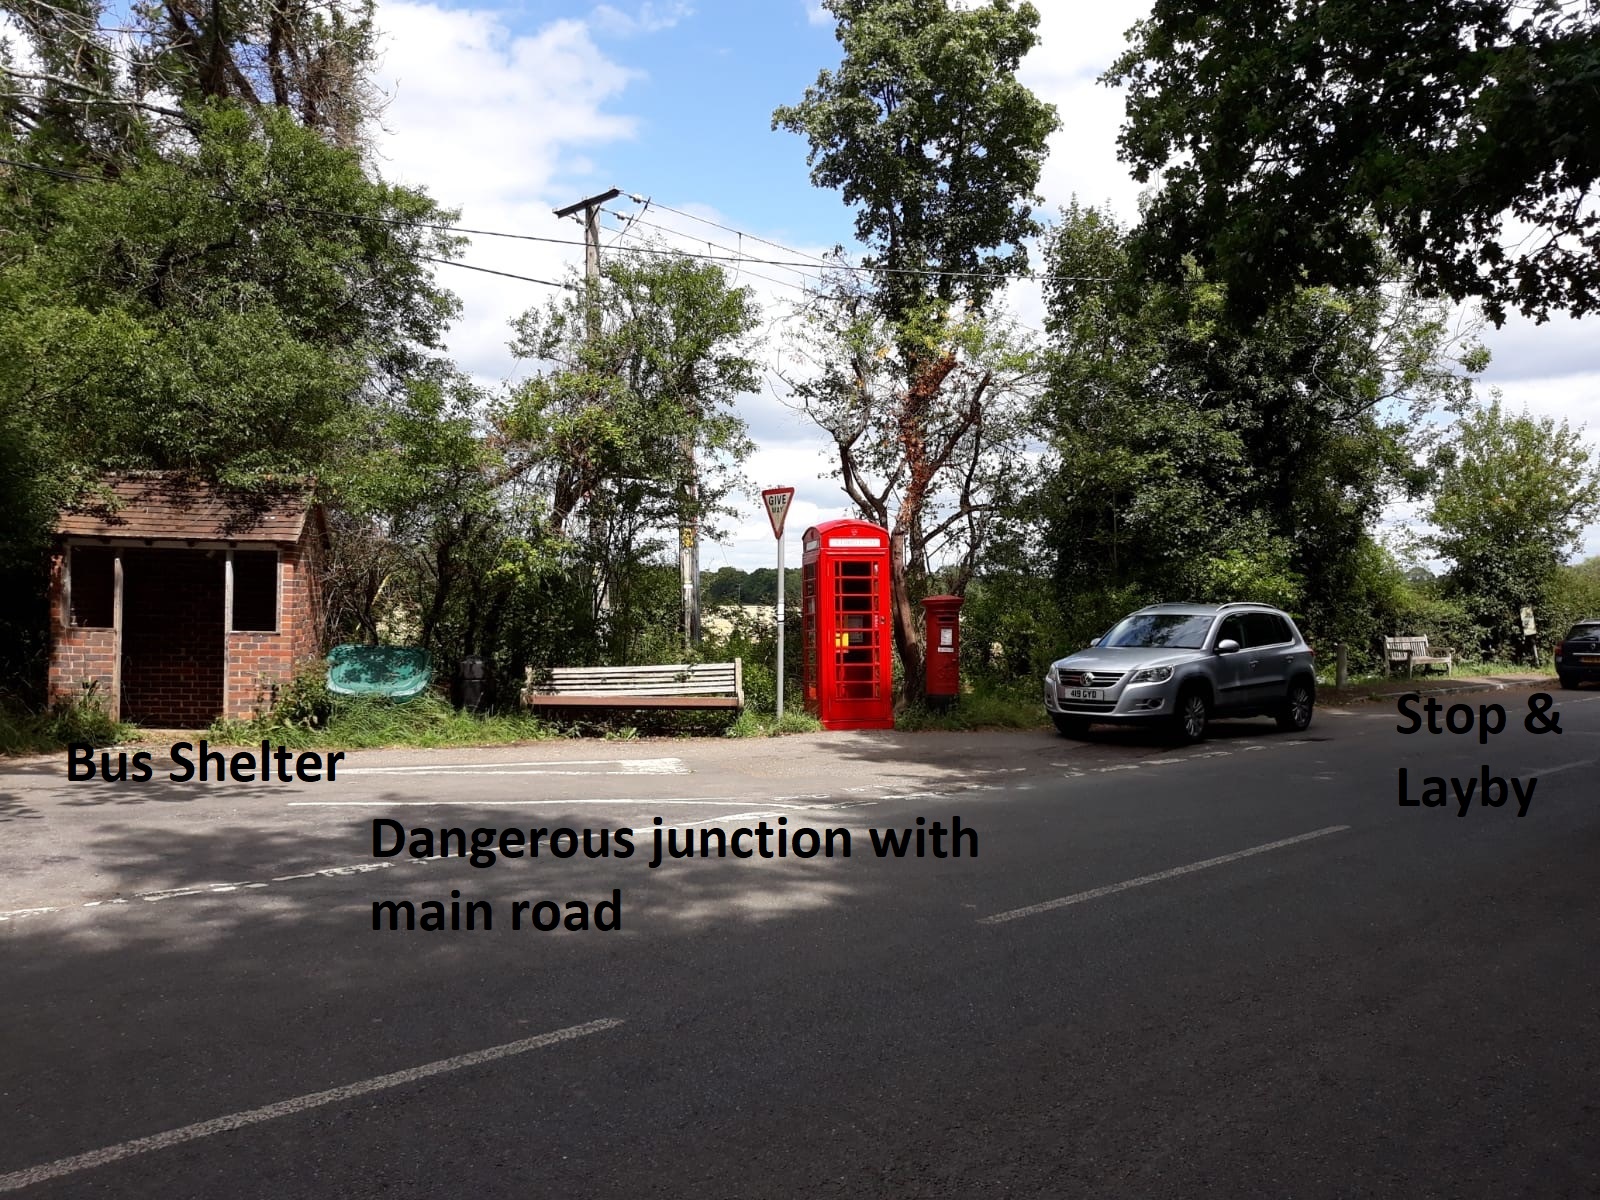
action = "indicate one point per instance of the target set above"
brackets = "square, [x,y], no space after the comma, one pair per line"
[157,505]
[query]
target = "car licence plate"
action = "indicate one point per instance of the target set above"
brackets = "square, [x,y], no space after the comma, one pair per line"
[1085,694]
[1589,658]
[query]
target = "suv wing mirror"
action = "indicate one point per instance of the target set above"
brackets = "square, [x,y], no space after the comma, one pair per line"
[1227,646]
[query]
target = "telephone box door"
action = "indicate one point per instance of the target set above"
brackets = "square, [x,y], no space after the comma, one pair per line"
[849,673]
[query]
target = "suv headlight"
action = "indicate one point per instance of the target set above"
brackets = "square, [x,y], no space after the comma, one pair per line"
[1152,675]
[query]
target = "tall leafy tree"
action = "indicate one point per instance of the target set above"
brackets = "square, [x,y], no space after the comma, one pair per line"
[635,430]
[927,132]
[1285,132]
[1514,495]
[1197,459]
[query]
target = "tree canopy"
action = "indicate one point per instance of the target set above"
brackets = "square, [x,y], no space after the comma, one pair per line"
[1285,133]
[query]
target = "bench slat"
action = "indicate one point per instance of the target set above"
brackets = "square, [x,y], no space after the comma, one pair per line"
[653,689]
[577,700]
[680,685]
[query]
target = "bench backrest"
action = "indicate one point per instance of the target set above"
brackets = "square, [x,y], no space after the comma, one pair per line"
[1399,647]
[679,679]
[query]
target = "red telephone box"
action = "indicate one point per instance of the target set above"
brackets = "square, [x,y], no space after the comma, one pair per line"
[849,677]
[942,622]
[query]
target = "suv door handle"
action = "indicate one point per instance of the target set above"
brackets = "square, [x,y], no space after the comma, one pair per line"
[1255,662]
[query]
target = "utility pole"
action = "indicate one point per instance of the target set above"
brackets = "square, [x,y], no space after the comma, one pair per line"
[590,208]
[591,249]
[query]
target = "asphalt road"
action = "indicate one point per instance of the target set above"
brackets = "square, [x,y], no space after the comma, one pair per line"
[1240,969]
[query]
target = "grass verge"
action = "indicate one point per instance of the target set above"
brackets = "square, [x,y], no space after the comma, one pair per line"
[79,720]
[1010,707]
[753,724]
[369,723]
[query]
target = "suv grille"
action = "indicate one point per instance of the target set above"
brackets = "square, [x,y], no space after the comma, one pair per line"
[1095,706]
[1095,679]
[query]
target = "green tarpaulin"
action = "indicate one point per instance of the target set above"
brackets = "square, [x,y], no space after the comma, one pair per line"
[398,672]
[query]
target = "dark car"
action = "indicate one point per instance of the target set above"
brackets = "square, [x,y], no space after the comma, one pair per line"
[1578,654]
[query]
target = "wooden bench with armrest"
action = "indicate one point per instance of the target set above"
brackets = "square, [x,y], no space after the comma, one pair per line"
[678,685]
[1414,652]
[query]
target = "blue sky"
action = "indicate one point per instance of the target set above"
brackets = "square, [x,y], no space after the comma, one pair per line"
[507,111]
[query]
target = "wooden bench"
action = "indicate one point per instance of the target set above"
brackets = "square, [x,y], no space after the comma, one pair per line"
[680,685]
[1414,652]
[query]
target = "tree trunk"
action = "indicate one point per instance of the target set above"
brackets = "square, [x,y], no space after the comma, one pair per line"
[907,637]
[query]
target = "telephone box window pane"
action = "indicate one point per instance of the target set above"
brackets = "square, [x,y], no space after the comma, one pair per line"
[93,585]
[255,591]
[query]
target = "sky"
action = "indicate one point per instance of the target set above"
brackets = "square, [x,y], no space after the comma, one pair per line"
[510,111]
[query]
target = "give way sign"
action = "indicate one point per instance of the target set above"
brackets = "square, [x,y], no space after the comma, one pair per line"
[777,502]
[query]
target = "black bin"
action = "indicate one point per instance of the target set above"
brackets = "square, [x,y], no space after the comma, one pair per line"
[472,683]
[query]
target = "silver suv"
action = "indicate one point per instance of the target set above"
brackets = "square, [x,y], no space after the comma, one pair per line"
[1179,665]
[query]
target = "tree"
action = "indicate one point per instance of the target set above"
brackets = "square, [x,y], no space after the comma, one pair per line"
[631,432]
[1514,495]
[106,82]
[1285,133]
[1195,459]
[927,132]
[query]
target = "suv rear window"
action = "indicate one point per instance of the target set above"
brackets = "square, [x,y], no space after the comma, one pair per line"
[1265,629]
[1180,631]
[1580,632]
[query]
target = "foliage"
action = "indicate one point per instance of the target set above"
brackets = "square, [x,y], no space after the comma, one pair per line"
[1514,495]
[1573,595]
[78,719]
[1447,624]
[927,132]
[1014,706]
[107,80]
[366,722]
[1192,459]
[197,311]
[752,723]
[925,128]
[1285,133]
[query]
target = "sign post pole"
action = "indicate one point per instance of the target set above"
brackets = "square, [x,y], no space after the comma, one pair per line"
[777,502]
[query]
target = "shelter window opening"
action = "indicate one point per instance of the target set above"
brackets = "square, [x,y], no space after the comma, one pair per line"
[255,591]
[91,586]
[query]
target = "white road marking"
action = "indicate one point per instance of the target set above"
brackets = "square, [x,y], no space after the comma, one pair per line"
[1033,910]
[18,914]
[286,1108]
[1543,771]
[676,801]
[620,766]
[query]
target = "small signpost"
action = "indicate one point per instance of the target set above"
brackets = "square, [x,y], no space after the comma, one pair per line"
[777,502]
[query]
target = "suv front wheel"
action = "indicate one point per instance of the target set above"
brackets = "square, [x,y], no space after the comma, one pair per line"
[1192,715]
[1295,715]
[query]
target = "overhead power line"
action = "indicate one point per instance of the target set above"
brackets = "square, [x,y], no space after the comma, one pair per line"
[815,264]
[740,232]
[445,262]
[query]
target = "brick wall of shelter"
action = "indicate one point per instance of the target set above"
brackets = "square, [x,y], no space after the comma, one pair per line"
[77,656]
[260,664]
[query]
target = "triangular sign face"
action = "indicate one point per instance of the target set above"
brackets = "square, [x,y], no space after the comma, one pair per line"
[777,502]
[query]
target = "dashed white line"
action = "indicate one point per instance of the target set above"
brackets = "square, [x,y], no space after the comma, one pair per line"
[1033,910]
[619,766]
[286,1108]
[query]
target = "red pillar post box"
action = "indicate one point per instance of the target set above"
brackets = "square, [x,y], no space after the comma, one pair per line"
[941,621]
[844,606]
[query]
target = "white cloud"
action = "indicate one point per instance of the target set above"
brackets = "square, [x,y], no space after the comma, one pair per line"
[819,16]
[650,18]
[505,128]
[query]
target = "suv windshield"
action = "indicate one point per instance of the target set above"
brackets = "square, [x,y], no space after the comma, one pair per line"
[1179,631]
